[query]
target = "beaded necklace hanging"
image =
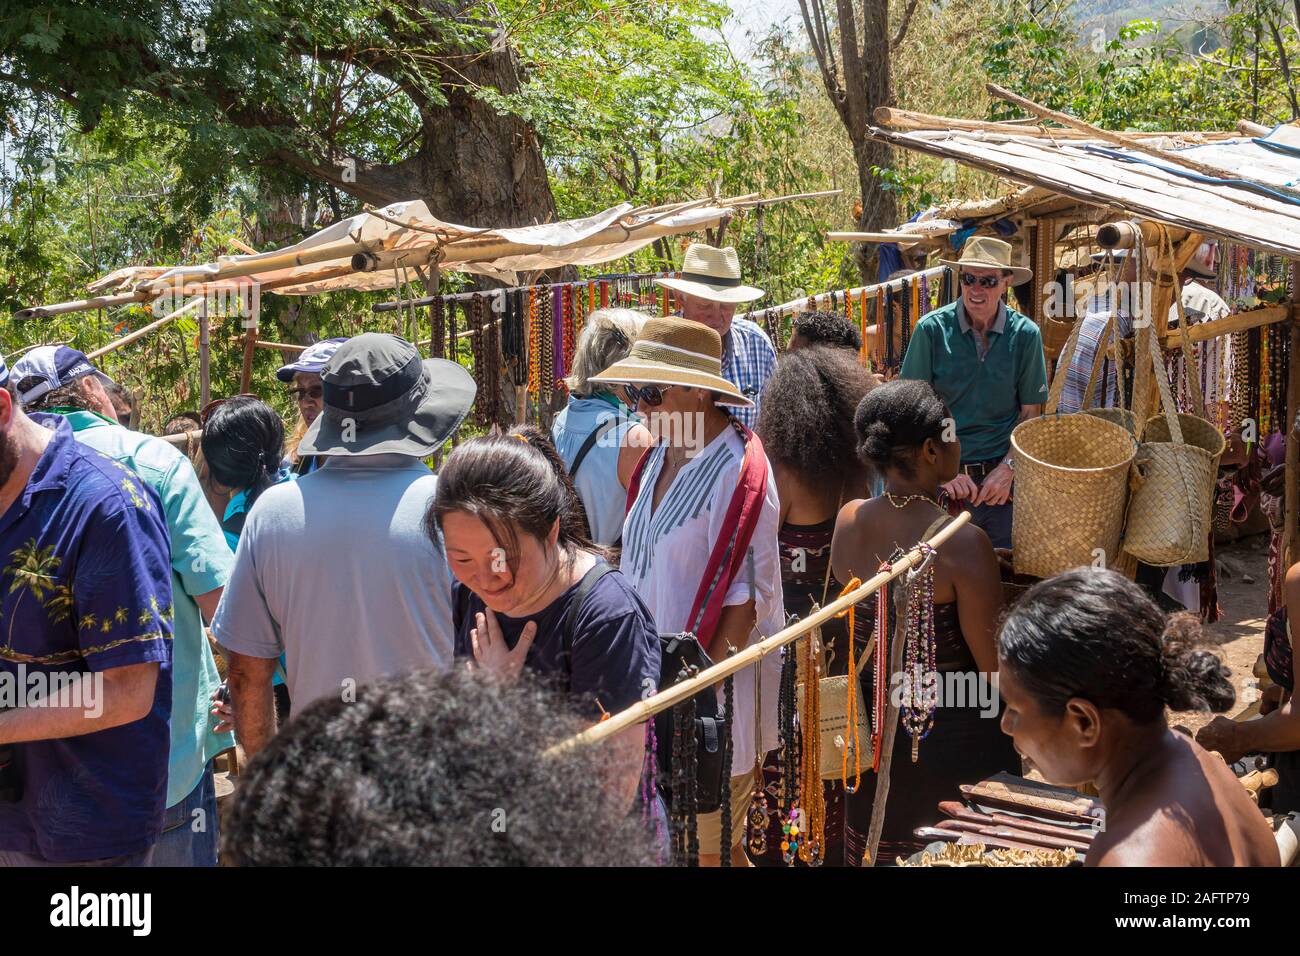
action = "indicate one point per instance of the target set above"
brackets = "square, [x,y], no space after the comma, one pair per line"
[811,795]
[890,359]
[728,721]
[1253,374]
[915,284]
[492,370]
[905,302]
[686,843]
[477,353]
[759,814]
[438,334]
[917,712]
[789,736]
[1241,379]
[852,741]
[925,294]
[769,326]
[880,333]
[534,344]
[881,668]
[546,332]
[864,354]
[453,343]
[570,328]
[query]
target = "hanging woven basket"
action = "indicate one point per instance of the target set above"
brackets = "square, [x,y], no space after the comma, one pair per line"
[1173,484]
[1174,475]
[1071,489]
[1122,417]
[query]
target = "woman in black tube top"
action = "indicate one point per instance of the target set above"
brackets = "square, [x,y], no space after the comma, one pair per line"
[806,425]
[906,432]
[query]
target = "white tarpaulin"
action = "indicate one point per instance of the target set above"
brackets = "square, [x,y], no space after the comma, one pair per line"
[324,261]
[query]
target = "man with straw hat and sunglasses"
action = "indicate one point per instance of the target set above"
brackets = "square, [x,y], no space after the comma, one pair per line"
[699,541]
[710,289]
[986,362]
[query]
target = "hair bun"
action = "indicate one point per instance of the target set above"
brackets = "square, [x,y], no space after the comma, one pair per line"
[877,442]
[1192,678]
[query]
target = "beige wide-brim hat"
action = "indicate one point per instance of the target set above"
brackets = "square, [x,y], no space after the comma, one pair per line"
[986,252]
[675,352]
[712,274]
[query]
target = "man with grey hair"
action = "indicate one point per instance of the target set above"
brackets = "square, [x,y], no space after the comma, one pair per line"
[63,381]
[596,434]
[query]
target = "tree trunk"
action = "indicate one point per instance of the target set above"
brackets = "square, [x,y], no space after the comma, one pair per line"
[879,208]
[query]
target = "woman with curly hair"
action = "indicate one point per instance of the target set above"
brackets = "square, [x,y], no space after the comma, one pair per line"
[806,424]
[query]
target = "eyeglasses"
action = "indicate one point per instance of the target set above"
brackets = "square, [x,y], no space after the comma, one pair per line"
[216,403]
[314,393]
[985,282]
[652,395]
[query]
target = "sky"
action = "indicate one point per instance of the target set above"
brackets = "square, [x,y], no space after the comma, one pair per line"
[755,16]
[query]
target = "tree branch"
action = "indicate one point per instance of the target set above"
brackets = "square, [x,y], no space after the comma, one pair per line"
[907,22]
[1286,66]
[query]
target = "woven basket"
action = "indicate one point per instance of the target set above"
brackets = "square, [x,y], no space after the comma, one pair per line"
[1122,417]
[1071,489]
[1173,484]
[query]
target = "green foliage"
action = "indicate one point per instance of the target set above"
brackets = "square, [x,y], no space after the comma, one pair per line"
[126,137]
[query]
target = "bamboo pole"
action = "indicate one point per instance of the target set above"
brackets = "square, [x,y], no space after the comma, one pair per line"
[184,438]
[205,358]
[801,304]
[83,305]
[910,120]
[888,733]
[899,237]
[146,329]
[1232,178]
[1248,128]
[1269,315]
[645,709]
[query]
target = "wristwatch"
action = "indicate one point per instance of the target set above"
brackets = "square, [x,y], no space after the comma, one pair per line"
[1010,463]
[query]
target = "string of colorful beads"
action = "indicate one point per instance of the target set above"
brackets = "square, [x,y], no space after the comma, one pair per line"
[811,795]
[881,669]
[917,712]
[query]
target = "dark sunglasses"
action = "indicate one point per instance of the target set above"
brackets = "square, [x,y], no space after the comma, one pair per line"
[652,395]
[216,403]
[313,392]
[986,282]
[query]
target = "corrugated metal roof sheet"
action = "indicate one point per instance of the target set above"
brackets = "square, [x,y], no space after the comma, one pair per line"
[1244,206]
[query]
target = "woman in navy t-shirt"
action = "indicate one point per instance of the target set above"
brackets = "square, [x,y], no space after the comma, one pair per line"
[531,590]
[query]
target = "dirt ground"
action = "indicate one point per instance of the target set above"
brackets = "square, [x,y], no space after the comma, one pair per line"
[1239,635]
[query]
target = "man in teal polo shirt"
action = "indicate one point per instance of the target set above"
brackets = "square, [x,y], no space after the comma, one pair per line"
[986,362]
[62,380]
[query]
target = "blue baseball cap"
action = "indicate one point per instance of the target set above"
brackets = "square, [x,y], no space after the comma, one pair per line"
[48,367]
[312,359]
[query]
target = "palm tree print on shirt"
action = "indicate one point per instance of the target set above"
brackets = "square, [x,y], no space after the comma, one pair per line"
[31,569]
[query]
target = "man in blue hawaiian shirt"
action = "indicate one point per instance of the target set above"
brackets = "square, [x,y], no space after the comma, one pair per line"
[86,605]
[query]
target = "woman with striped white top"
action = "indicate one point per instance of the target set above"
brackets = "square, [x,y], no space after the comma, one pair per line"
[700,538]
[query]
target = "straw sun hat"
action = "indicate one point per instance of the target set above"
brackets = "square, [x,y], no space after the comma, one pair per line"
[675,352]
[713,274]
[985,252]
